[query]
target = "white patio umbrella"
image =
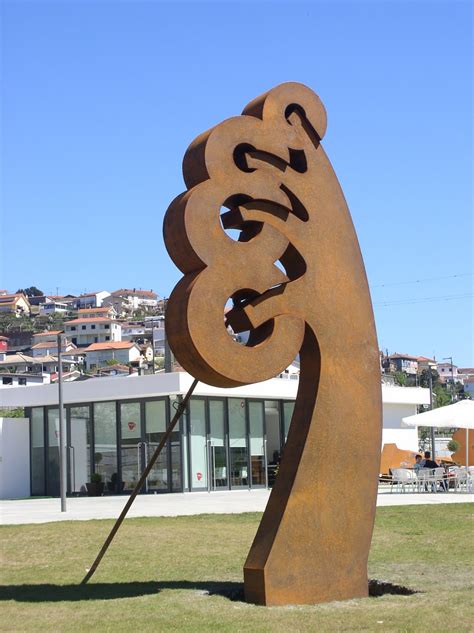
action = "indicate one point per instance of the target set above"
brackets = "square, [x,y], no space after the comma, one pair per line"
[458,415]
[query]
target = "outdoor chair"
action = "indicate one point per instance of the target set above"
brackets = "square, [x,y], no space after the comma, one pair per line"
[470,479]
[425,479]
[460,477]
[439,477]
[403,478]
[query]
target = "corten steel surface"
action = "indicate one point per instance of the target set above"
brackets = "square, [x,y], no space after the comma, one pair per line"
[267,174]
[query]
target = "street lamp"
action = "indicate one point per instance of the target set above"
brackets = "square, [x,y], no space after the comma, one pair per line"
[62,430]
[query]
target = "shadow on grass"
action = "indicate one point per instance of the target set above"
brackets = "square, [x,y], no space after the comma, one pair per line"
[233,591]
[113,590]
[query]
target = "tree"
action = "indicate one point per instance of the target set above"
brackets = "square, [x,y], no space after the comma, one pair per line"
[32,291]
[400,378]
[442,396]
[453,446]
[424,378]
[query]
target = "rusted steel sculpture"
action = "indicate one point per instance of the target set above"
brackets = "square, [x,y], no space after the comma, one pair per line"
[266,174]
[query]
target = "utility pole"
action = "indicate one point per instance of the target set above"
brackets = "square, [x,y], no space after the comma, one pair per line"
[433,442]
[62,431]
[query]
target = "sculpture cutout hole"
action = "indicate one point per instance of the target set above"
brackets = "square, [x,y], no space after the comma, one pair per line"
[231,221]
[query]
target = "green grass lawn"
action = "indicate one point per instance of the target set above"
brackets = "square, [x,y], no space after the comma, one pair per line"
[158,573]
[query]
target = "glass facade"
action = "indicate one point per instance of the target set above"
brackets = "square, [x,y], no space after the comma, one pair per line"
[105,445]
[220,444]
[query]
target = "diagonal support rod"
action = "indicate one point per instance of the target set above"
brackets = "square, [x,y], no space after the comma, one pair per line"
[179,412]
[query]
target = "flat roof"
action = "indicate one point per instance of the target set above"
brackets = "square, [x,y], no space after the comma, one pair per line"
[162,384]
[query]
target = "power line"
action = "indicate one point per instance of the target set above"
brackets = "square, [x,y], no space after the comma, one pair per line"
[423,300]
[419,281]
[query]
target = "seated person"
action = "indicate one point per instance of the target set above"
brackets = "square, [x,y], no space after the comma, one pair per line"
[428,462]
[418,465]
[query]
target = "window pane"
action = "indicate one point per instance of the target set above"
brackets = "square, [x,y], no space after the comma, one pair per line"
[52,465]
[288,408]
[198,444]
[130,425]
[105,435]
[257,457]
[272,428]
[218,451]
[37,452]
[238,443]
[79,451]
[155,416]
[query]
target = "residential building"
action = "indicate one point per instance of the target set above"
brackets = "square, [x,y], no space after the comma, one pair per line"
[51,348]
[84,332]
[16,304]
[156,328]
[449,373]
[108,312]
[23,380]
[426,363]
[229,439]
[35,364]
[53,306]
[51,336]
[133,331]
[91,299]
[466,372]
[99,354]
[469,386]
[402,362]
[127,300]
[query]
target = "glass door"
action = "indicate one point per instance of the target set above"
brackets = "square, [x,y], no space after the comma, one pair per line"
[132,446]
[199,466]
[217,457]
[155,412]
[239,463]
[79,449]
[258,461]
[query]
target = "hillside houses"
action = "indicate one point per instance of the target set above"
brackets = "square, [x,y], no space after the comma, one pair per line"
[122,352]
[89,330]
[16,304]
[126,300]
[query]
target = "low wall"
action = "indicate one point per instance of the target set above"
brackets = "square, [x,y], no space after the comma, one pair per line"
[14,458]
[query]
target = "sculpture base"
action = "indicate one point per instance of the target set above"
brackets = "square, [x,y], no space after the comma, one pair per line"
[259,591]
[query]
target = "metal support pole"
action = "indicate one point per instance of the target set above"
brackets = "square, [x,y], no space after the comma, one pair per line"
[62,432]
[433,442]
[179,412]
[153,343]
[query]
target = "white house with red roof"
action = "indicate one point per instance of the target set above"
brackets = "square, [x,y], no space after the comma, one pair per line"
[126,300]
[91,299]
[51,348]
[86,331]
[98,354]
[108,312]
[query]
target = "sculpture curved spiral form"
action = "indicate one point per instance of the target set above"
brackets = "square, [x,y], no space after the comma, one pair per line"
[296,281]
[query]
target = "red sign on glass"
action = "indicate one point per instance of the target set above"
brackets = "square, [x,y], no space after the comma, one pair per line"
[199,476]
[132,425]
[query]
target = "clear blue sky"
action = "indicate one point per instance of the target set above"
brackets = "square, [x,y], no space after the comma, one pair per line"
[101,99]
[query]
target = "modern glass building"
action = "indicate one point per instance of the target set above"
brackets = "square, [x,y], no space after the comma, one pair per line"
[227,439]
[222,441]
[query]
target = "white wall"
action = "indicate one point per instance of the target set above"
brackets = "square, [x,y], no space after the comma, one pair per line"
[14,458]
[393,432]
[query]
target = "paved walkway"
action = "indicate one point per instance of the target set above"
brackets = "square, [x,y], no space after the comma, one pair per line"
[229,502]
